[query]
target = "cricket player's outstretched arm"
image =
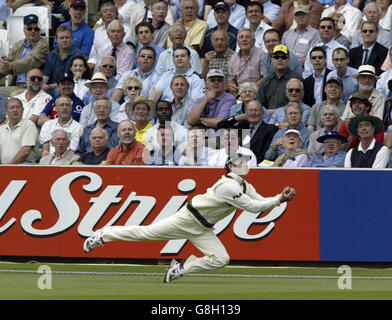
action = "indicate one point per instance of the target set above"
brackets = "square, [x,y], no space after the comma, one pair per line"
[233,195]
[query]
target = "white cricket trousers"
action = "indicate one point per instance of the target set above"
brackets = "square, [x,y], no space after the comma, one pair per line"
[181,225]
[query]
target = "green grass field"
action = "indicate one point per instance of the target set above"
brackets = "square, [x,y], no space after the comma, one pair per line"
[137,282]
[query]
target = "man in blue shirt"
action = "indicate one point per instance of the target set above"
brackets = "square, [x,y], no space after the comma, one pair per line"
[332,156]
[82,34]
[58,60]
[222,15]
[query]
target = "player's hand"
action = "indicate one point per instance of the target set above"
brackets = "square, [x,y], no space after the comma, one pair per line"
[287,194]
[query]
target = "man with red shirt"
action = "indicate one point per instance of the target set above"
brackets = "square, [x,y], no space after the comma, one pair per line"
[130,151]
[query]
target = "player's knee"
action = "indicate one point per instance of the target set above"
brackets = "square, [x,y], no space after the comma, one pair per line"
[222,260]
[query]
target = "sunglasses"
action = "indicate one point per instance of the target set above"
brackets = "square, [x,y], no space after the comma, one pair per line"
[36,78]
[133,88]
[149,56]
[36,29]
[317,57]
[326,27]
[108,66]
[280,57]
[368,31]
[294,90]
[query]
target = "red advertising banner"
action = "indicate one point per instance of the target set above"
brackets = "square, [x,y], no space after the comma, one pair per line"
[49,211]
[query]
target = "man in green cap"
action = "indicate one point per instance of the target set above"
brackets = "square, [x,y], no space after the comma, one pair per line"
[360,106]
[369,153]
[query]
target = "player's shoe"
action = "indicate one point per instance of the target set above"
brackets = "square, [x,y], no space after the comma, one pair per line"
[173,272]
[94,241]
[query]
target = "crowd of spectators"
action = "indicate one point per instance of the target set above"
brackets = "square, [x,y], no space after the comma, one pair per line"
[291,83]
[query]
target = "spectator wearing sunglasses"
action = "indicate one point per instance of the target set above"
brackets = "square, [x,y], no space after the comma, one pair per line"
[370,52]
[328,43]
[352,16]
[34,99]
[272,94]
[144,72]
[132,88]
[24,55]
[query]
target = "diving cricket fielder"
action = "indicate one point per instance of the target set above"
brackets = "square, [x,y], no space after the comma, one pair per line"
[195,220]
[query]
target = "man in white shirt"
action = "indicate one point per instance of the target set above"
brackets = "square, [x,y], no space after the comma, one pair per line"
[34,99]
[196,219]
[352,17]
[65,122]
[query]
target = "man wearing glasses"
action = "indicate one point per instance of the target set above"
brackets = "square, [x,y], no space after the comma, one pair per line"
[370,52]
[272,92]
[144,72]
[328,43]
[25,54]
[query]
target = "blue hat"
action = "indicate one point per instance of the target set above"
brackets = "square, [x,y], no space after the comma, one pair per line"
[31,18]
[65,76]
[331,135]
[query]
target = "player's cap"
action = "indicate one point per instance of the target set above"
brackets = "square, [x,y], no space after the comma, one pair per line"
[335,79]
[215,73]
[65,76]
[231,159]
[304,9]
[30,18]
[331,135]
[281,48]
[222,5]
[78,3]
[292,131]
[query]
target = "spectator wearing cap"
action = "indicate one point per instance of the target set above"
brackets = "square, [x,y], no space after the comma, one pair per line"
[245,65]
[370,52]
[182,66]
[58,61]
[196,28]
[360,106]
[367,78]
[293,116]
[315,83]
[303,37]
[272,38]
[293,155]
[98,86]
[331,156]
[370,153]
[222,15]
[33,98]
[340,60]
[271,93]
[65,87]
[216,104]
[63,121]
[330,120]
[219,57]
[237,14]
[24,55]
[82,34]
[333,90]
[177,35]
[285,21]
